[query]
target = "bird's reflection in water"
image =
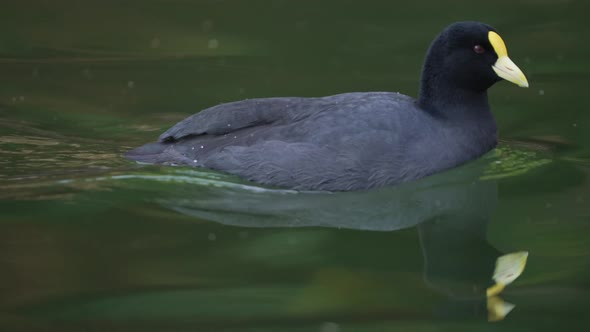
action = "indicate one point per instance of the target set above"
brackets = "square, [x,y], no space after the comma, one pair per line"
[450,210]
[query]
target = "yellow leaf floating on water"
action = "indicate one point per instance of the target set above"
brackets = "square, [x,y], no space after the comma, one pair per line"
[508,268]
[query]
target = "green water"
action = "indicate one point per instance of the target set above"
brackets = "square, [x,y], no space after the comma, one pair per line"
[92,242]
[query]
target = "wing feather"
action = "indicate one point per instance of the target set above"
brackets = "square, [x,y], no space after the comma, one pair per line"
[229,117]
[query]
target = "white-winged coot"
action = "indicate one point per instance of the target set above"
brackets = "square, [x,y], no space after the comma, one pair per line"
[359,140]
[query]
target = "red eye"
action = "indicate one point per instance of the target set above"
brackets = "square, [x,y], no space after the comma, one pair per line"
[479,49]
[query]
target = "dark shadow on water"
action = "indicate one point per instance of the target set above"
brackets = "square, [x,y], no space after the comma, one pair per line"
[451,212]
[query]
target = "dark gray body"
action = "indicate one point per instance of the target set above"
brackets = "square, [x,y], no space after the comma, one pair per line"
[351,141]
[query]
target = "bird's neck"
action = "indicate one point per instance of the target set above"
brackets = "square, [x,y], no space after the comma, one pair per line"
[439,98]
[464,114]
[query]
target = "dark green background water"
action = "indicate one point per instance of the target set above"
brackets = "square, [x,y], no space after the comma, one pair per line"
[92,242]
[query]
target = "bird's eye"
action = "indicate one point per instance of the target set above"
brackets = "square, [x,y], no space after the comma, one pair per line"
[479,49]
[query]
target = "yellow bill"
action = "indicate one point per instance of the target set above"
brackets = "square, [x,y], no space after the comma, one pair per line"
[498,308]
[504,67]
[508,268]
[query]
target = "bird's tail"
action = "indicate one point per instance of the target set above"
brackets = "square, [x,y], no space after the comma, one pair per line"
[151,153]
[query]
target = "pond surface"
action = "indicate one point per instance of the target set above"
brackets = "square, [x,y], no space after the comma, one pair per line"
[92,242]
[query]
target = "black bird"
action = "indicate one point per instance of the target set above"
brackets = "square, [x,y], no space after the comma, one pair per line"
[359,140]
